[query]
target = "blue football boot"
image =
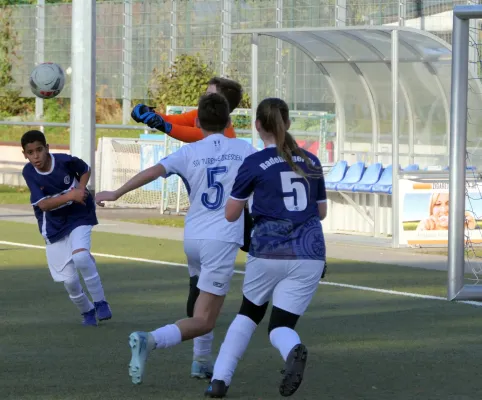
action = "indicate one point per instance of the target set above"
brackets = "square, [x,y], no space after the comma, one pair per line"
[102,310]
[89,318]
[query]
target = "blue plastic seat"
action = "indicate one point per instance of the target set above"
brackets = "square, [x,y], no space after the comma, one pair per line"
[336,174]
[370,177]
[411,167]
[384,185]
[353,175]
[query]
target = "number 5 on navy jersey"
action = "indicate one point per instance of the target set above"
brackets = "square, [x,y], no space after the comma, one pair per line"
[213,183]
[294,190]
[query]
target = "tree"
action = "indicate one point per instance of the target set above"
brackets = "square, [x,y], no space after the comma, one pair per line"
[185,82]
[182,84]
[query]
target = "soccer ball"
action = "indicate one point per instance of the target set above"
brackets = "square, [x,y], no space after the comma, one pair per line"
[47,80]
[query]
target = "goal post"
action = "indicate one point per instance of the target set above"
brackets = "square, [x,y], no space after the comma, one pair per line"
[457,238]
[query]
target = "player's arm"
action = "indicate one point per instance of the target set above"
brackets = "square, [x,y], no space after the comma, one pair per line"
[187,133]
[84,179]
[139,180]
[242,188]
[185,119]
[184,127]
[234,209]
[321,198]
[48,203]
[81,169]
[51,203]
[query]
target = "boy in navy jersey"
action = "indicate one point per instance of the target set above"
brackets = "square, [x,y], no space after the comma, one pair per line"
[65,212]
[287,253]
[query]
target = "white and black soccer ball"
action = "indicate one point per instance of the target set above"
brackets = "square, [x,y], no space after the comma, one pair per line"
[47,80]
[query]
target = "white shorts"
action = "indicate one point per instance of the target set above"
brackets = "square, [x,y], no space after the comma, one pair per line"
[213,261]
[59,254]
[291,283]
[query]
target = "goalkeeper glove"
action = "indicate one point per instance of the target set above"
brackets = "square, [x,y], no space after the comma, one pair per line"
[140,112]
[155,121]
[146,115]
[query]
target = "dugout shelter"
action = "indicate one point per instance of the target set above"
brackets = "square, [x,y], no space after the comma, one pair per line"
[397,79]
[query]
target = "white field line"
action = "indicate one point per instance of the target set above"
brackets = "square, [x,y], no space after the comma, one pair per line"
[343,285]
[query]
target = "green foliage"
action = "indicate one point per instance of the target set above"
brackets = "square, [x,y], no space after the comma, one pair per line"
[10,101]
[185,81]
[56,110]
[182,84]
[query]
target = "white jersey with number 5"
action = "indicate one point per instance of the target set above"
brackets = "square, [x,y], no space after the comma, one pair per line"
[208,169]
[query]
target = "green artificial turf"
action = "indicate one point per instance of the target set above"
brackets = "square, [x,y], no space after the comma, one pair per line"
[362,344]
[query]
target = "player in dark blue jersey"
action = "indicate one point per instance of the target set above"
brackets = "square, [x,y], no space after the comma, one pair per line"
[65,211]
[287,253]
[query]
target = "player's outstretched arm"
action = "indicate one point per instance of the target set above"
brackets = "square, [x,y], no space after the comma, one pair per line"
[141,179]
[185,119]
[234,209]
[180,131]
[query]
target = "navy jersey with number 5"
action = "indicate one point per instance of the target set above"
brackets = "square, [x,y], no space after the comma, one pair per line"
[284,208]
[63,176]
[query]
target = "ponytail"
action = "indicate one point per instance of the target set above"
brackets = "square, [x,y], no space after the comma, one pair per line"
[274,116]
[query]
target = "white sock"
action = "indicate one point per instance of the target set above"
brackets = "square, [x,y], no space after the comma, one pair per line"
[82,302]
[77,295]
[234,345]
[94,286]
[85,263]
[203,345]
[167,336]
[284,339]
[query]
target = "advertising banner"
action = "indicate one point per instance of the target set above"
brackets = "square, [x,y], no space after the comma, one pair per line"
[424,212]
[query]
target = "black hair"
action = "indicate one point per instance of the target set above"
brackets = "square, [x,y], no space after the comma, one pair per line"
[33,136]
[230,89]
[213,112]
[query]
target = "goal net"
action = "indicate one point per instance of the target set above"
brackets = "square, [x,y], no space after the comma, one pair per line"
[119,159]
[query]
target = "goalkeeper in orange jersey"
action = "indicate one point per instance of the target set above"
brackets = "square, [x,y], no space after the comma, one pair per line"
[183,126]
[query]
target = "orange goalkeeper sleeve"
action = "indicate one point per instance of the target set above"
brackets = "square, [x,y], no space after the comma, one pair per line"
[184,127]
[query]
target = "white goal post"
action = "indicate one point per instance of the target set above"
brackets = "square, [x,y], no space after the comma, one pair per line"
[457,235]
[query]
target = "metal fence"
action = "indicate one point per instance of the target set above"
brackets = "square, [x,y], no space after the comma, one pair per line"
[136,36]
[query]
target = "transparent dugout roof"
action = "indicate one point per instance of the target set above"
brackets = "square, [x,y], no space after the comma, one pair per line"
[357,63]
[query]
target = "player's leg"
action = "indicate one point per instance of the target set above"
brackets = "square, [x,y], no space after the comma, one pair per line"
[80,241]
[206,311]
[291,297]
[217,265]
[258,286]
[201,366]
[62,269]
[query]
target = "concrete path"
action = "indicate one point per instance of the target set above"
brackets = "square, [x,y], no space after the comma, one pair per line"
[344,247]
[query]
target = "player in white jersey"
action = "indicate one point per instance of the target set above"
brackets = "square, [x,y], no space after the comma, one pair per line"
[208,168]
